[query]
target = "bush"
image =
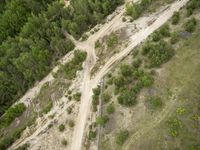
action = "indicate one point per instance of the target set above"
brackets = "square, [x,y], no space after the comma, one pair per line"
[174,38]
[154,102]
[47,108]
[190,25]
[106,97]
[175,18]
[110,109]
[127,98]
[61,127]
[64,142]
[174,126]
[71,123]
[112,40]
[156,36]
[121,137]
[102,120]
[97,91]
[126,70]
[11,114]
[92,135]
[159,53]
[77,96]
[136,63]
[23,147]
[165,30]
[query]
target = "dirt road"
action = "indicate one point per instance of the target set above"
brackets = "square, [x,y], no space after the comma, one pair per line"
[87,83]
[135,40]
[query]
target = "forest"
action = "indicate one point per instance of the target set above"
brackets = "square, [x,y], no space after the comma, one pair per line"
[32,39]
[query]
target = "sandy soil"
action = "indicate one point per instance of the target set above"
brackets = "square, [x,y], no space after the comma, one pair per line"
[85,82]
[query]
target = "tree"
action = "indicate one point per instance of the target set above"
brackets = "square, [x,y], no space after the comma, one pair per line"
[122,136]
[102,120]
[110,109]
[127,98]
[190,25]
[175,18]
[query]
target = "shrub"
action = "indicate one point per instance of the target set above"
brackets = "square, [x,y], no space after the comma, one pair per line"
[154,102]
[121,137]
[156,36]
[71,123]
[11,114]
[126,70]
[97,91]
[61,127]
[47,108]
[112,40]
[159,53]
[174,126]
[69,110]
[146,80]
[175,18]
[190,25]
[92,135]
[64,142]
[102,120]
[77,96]
[174,38]
[23,147]
[110,109]
[136,63]
[165,30]
[97,44]
[127,98]
[106,97]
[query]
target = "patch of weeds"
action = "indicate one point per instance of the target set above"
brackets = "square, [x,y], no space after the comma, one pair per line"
[174,126]
[121,137]
[61,127]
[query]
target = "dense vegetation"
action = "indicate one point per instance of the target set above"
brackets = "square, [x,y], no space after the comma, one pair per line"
[84,13]
[135,9]
[36,40]
[11,114]
[16,14]
[71,67]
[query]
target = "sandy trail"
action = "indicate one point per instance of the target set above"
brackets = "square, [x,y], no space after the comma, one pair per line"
[136,39]
[87,83]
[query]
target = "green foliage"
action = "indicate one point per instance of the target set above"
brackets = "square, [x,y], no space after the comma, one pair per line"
[126,70]
[64,142]
[23,147]
[97,44]
[135,9]
[77,96]
[92,135]
[112,40]
[71,123]
[127,98]
[61,127]
[121,137]
[174,38]
[192,5]
[30,55]
[174,126]
[154,102]
[16,15]
[158,53]
[146,80]
[97,91]
[83,14]
[136,63]
[7,141]
[175,18]
[11,114]
[102,120]
[47,108]
[165,30]
[156,36]
[110,109]
[190,25]
[71,67]
[106,97]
